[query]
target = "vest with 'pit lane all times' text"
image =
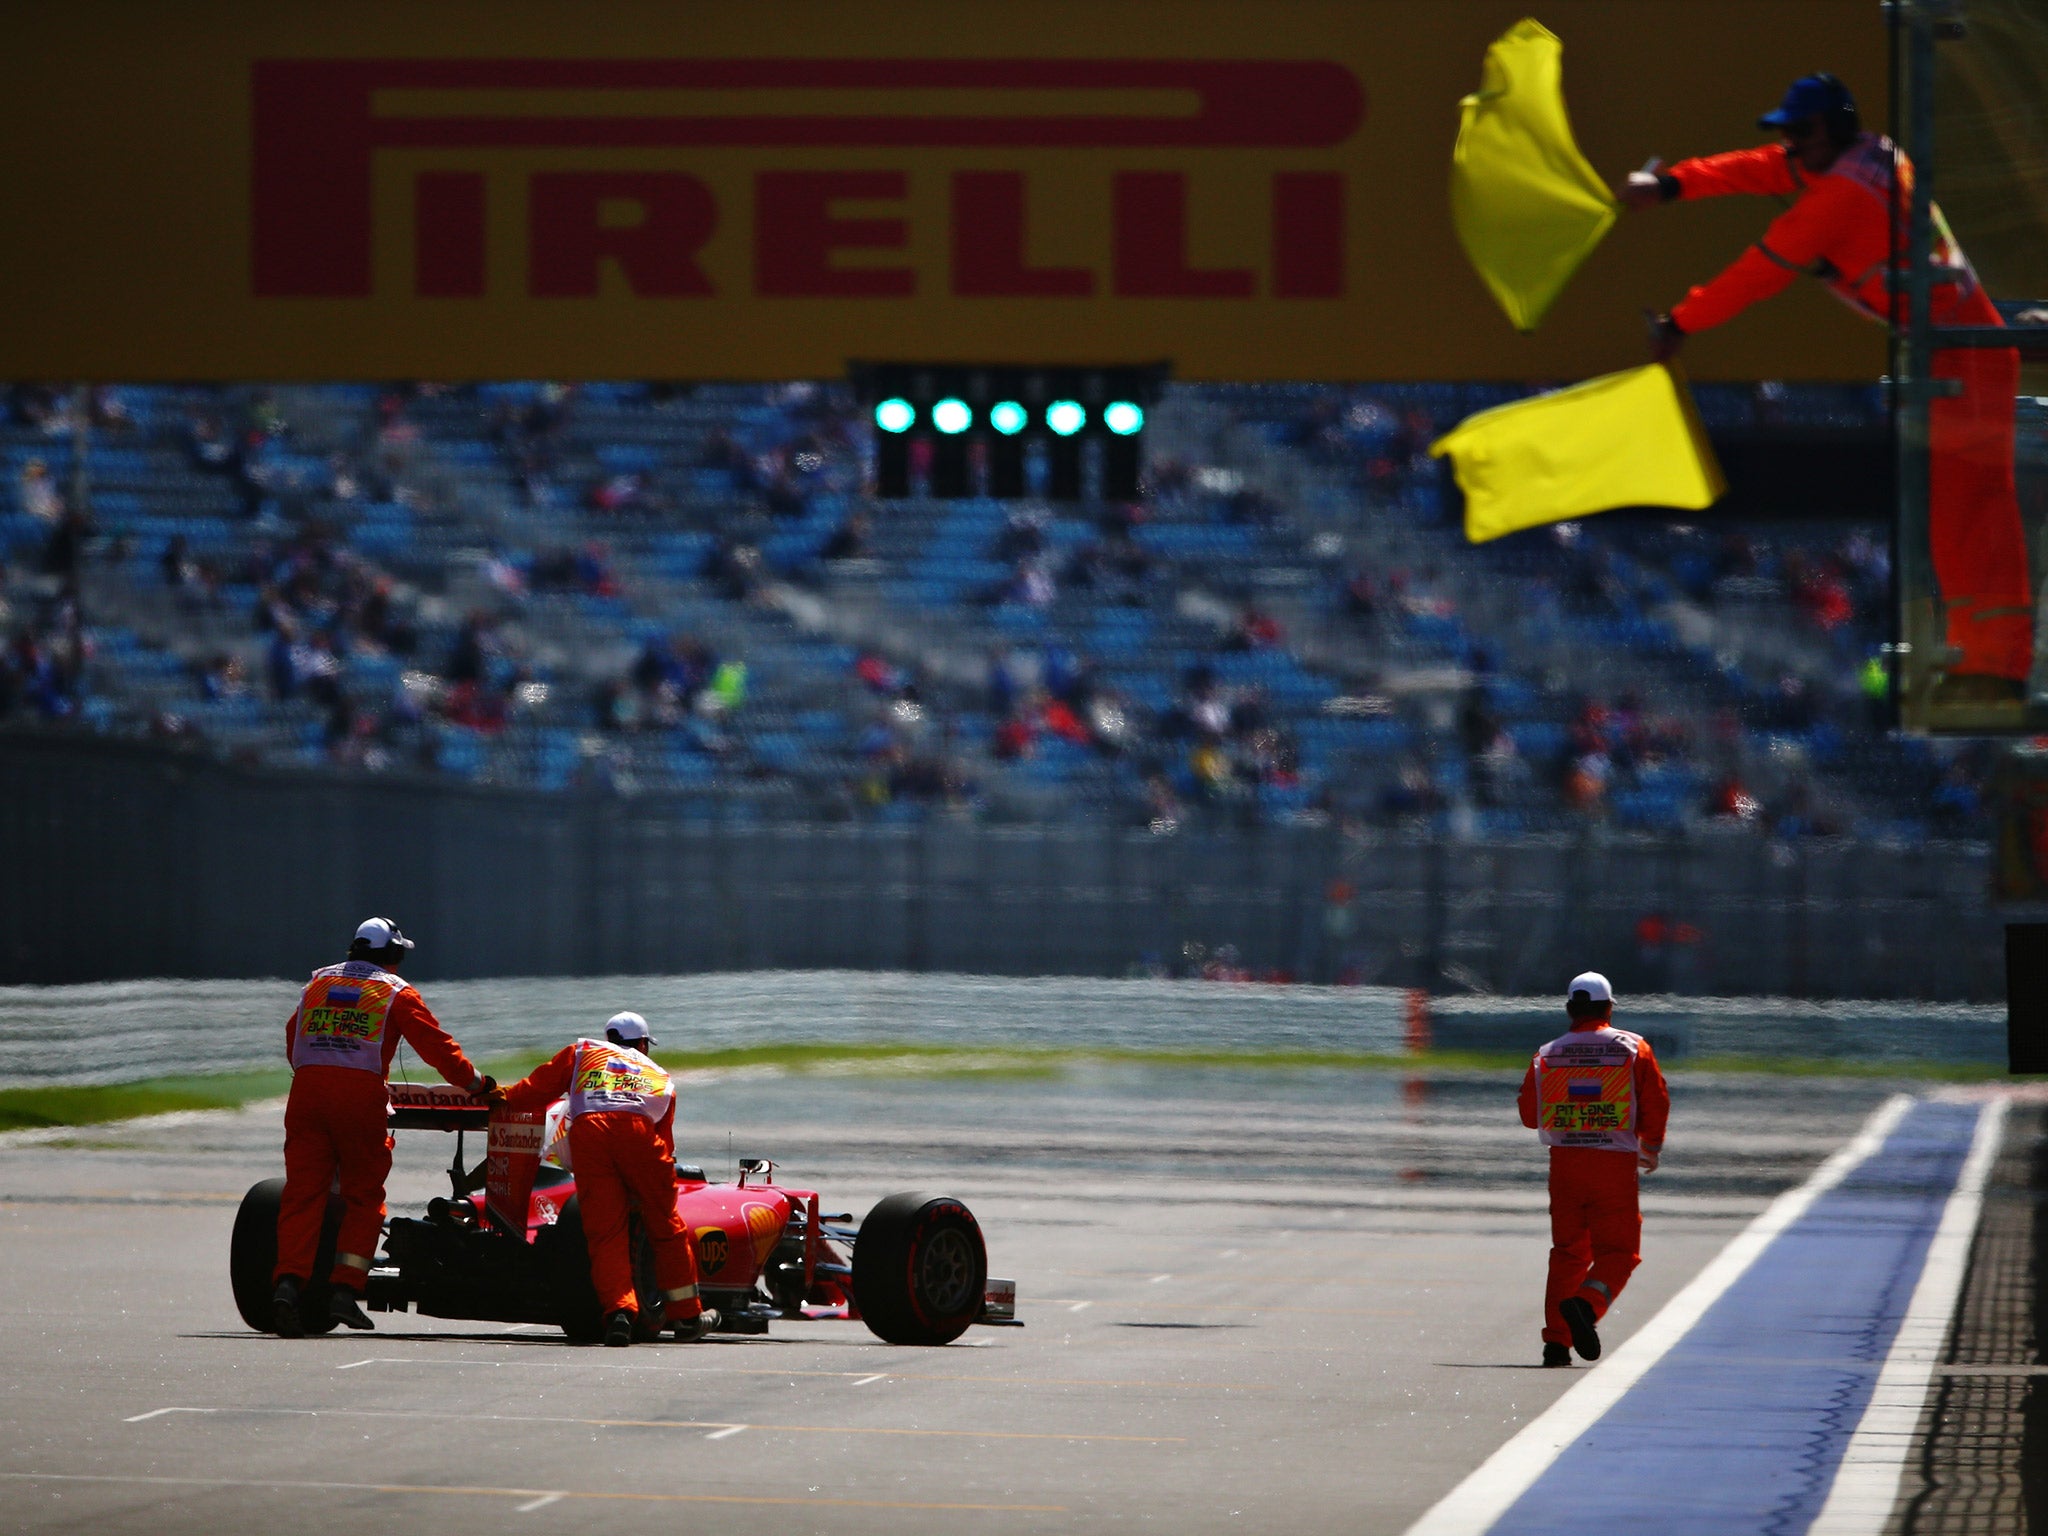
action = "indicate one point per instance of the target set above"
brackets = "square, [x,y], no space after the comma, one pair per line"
[605,1077]
[1586,1089]
[342,1016]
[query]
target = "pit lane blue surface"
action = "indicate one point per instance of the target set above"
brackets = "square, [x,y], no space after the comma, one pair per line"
[1742,1425]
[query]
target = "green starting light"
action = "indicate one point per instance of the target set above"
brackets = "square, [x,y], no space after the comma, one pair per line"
[952,416]
[1008,417]
[1126,418]
[1066,417]
[895,415]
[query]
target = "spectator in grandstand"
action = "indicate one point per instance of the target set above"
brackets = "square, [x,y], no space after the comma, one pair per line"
[44,407]
[475,644]
[617,494]
[1586,781]
[1729,800]
[64,549]
[1850,189]
[36,493]
[725,691]
[1161,808]
[180,570]
[735,569]
[1022,536]
[1031,584]
[1254,630]
[47,667]
[221,676]
[1013,738]
[1006,680]
[849,541]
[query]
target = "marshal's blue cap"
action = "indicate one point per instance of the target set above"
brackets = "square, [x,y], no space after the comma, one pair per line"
[1809,96]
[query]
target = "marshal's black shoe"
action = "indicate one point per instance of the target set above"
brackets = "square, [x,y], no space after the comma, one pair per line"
[346,1308]
[1578,1316]
[285,1321]
[619,1329]
[1556,1354]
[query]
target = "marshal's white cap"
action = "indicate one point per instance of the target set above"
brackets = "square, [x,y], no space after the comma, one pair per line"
[382,933]
[1593,984]
[629,1026]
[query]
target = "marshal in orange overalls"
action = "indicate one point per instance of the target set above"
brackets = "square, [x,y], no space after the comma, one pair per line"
[1598,1098]
[1841,229]
[622,1110]
[340,1041]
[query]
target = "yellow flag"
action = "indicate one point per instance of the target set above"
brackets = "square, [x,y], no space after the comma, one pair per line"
[1528,207]
[1622,440]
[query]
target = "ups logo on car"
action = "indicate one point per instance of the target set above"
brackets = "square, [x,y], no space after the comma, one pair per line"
[713,1247]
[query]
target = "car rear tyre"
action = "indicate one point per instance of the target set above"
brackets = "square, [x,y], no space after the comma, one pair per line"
[919,1269]
[568,1261]
[252,1255]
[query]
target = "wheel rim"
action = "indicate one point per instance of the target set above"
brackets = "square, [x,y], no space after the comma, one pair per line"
[945,1271]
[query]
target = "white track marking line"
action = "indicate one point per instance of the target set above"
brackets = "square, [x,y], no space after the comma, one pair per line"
[1081,1306]
[461,1490]
[1157,1278]
[540,1503]
[725,1434]
[1867,1482]
[1488,1493]
[976,1343]
[157,1413]
[353,1364]
[456,1417]
[878,1376]
[446,1363]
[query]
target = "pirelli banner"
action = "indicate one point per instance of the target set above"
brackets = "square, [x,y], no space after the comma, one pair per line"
[1253,189]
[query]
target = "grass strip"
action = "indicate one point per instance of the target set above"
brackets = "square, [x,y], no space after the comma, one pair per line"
[33,1108]
[24,1109]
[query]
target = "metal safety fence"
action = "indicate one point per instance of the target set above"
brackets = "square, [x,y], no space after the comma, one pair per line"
[124,862]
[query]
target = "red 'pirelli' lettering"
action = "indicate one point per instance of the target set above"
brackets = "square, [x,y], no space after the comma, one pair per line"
[449,250]
[569,236]
[796,234]
[989,237]
[1149,214]
[314,133]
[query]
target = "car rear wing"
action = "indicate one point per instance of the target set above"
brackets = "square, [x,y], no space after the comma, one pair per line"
[436,1107]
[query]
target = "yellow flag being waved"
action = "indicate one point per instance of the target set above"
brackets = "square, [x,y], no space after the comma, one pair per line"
[1527,206]
[1622,440]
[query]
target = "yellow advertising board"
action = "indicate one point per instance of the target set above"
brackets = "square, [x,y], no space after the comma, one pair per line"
[230,189]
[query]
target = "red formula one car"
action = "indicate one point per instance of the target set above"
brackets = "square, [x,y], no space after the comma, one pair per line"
[507,1246]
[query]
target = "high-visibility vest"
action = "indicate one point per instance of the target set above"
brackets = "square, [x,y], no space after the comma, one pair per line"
[1877,166]
[1586,1089]
[342,1016]
[603,1076]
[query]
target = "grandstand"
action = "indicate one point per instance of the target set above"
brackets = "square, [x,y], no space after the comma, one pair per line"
[638,588]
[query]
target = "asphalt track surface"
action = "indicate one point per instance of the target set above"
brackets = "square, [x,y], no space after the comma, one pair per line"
[1272,1301]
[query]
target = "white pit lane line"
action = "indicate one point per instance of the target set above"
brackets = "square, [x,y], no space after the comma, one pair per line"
[1488,1493]
[878,1376]
[1867,1482]
[540,1503]
[726,1433]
